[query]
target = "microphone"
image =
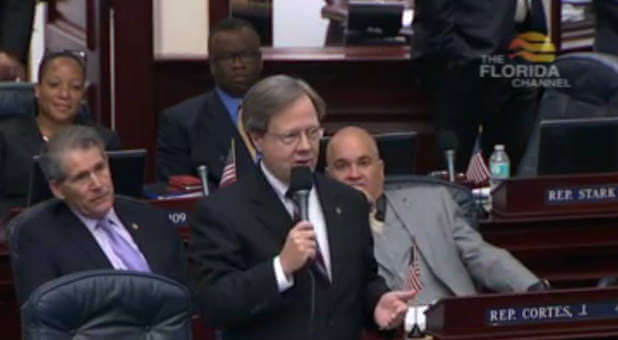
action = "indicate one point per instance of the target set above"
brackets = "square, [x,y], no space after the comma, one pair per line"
[202,171]
[301,181]
[448,142]
[450,162]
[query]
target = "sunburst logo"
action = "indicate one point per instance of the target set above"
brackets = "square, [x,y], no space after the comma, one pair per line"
[533,47]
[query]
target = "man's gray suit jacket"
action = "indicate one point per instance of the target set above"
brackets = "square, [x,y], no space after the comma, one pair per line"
[455,253]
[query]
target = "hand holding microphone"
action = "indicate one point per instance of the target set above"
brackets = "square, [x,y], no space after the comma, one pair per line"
[300,246]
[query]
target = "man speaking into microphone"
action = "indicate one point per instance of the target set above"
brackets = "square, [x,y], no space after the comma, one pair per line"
[286,254]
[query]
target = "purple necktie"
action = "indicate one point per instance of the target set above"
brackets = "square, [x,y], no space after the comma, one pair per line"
[126,253]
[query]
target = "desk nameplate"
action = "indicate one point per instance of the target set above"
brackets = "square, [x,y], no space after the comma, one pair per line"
[581,194]
[556,196]
[543,313]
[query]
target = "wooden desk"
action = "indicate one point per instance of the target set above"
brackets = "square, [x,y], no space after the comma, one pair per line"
[573,251]
[564,314]
[564,228]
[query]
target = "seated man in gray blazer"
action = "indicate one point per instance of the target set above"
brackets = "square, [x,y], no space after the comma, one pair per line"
[452,257]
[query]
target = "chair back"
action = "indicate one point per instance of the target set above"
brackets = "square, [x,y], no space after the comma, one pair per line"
[592,92]
[460,194]
[17,98]
[108,304]
[397,149]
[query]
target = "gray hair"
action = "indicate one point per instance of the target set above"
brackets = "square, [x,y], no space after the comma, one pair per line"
[269,96]
[75,137]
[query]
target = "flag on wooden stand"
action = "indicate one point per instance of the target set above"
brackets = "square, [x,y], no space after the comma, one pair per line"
[477,171]
[229,175]
[413,280]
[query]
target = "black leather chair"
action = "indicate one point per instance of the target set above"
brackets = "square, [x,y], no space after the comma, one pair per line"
[17,98]
[593,92]
[461,194]
[397,149]
[108,304]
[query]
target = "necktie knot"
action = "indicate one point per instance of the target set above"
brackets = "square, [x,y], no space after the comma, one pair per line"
[124,251]
[289,195]
[103,224]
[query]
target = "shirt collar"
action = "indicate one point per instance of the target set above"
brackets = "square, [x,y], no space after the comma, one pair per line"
[280,188]
[231,103]
[380,207]
[91,223]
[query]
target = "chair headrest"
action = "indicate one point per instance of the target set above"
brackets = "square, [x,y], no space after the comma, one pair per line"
[108,303]
[593,77]
[17,99]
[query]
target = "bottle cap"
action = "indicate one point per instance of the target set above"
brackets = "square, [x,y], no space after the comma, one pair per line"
[499,147]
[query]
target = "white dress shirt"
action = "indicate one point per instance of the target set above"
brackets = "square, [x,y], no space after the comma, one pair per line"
[316,217]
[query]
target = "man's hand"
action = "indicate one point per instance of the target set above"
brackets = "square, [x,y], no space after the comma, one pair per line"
[11,68]
[391,309]
[299,247]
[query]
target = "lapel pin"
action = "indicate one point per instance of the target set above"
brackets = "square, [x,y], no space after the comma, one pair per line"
[338,210]
[134,226]
[406,202]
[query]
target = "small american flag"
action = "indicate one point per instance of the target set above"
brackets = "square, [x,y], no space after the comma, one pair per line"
[413,280]
[477,171]
[228,176]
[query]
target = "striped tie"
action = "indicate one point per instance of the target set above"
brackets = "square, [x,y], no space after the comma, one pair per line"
[319,266]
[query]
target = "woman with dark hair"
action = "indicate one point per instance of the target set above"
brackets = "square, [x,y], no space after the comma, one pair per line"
[59,93]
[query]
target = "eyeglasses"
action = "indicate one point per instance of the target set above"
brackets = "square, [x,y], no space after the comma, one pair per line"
[243,56]
[293,138]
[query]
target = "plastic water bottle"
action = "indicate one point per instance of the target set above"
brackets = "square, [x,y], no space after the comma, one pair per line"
[499,165]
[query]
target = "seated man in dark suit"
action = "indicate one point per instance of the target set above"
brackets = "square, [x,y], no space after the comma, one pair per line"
[199,130]
[265,274]
[422,221]
[87,227]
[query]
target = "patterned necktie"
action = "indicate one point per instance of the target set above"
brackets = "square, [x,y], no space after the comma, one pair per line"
[125,252]
[319,268]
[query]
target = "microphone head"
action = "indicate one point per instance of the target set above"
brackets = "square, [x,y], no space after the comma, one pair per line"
[447,140]
[301,178]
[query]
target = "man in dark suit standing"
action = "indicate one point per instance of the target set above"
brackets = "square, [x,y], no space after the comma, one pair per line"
[452,40]
[198,131]
[15,31]
[87,227]
[606,26]
[258,277]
